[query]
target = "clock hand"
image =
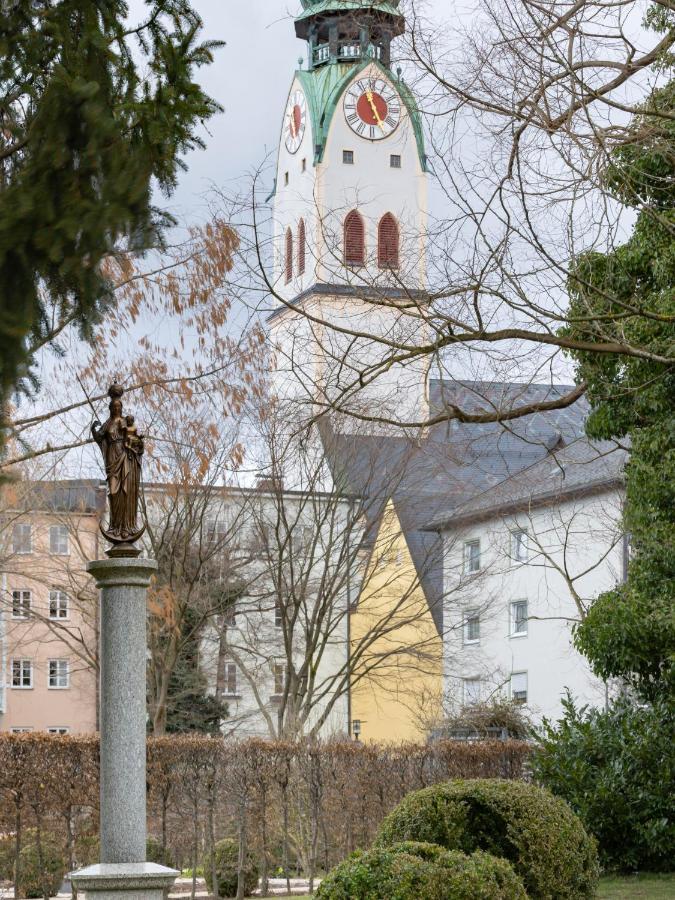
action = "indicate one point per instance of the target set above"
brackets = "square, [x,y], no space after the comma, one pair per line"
[369,97]
[292,124]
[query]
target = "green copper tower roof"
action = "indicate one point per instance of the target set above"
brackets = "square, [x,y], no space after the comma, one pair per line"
[325,86]
[315,7]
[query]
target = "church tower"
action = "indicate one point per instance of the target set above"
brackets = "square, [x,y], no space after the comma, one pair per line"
[350,218]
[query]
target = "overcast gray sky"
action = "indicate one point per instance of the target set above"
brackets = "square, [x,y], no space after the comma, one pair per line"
[250,79]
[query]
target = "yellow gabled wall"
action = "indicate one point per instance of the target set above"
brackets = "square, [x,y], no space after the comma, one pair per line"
[396,685]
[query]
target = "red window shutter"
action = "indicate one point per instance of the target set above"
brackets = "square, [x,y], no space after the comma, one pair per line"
[301,247]
[387,242]
[289,255]
[355,244]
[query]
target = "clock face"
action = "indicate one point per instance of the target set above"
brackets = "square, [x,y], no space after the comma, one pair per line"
[295,121]
[372,108]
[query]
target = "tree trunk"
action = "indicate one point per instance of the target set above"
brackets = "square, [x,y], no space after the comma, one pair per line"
[17,848]
[285,862]
[241,884]
[195,849]
[212,847]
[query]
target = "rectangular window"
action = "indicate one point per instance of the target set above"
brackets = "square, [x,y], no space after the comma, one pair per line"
[22,540]
[519,546]
[21,602]
[471,556]
[58,729]
[230,614]
[471,690]
[58,539]
[472,627]
[21,729]
[59,673]
[278,613]
[59,605]
[519,617]
[519,687]
[230,679]
[279,678]
[22,673]
[348,157]
[286,178]
[216,531]
[395,161]
[304,165]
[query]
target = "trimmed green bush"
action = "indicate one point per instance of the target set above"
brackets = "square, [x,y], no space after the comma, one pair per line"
[227,860]
[536,832]
[155,853]
[421,871]
[50,874]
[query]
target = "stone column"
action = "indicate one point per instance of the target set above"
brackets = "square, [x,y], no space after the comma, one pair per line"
[123,872]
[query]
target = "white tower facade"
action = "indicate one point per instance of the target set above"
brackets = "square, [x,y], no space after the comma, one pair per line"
[350,219]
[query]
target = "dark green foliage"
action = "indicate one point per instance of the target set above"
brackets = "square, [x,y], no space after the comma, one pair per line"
[616,769]
[536,832]
[630,294]
[36,878]
[91,115]
[418,871]
[227,860]
[189,706]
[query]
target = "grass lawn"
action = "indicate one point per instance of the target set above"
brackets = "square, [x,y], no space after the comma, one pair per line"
[638,887]
[631,887]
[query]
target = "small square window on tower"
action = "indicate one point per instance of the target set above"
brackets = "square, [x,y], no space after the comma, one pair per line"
[395,161]
[348,157]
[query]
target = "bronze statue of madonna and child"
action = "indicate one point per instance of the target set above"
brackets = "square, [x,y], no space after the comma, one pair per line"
[122,448]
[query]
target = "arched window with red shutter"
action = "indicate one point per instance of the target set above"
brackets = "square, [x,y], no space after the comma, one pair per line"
[387,242]
[355,240]
[289,255]
[301,247]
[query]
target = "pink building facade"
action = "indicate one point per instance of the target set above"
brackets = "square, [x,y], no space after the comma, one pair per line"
[49,607]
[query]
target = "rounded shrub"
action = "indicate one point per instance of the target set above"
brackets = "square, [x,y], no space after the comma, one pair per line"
[155,853]
[227,864]
[536,832]
[421,871]
[36,878]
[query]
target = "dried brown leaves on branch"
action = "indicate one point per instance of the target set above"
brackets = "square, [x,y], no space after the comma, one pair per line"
[168,338]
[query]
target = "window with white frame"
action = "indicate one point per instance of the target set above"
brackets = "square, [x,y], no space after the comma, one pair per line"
[58,540]
[59,605]
[230,679]
[471,556]
[22,673]
[21,603]
[21,729]
[216,531]
[471,626]
[58,729]
[59,674]
[278,613]
[519,687]
[471,691]
[22,538]
[279,672]
[519,618]
[519,545]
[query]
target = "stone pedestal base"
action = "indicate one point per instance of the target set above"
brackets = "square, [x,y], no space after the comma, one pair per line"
[124,881]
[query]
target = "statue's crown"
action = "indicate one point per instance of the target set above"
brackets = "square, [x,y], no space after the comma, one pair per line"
[115,391]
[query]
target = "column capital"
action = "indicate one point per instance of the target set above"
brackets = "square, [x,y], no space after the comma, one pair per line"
[122,571]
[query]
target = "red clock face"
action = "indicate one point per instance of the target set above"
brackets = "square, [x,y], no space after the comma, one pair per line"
[372,108]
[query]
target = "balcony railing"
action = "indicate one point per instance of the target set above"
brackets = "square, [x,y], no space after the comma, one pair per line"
[346,52]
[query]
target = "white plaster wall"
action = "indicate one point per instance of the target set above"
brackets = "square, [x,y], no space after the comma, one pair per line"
[580,538]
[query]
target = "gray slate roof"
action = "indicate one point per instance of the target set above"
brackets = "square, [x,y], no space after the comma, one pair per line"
[460,469]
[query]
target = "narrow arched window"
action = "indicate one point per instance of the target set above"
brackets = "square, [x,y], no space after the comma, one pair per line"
[289,255]
[387,242]
[355,244]
[301,247]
